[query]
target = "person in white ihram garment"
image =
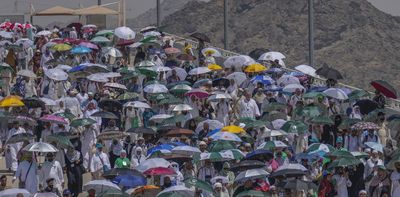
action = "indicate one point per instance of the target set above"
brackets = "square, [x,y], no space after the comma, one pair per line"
[341,182]
[51,169]
[137,157]
[88,139]
[222,111]
[395,178]
[248,107]
[13,149]
[99,163]
[27,174]
[72,103]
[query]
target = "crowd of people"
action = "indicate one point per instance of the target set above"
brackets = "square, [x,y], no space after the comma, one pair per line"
[153,115]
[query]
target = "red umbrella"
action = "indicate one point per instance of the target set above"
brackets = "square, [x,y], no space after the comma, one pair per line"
[199,93]
[159,171]
[172,50]
[385,88]
[122,42]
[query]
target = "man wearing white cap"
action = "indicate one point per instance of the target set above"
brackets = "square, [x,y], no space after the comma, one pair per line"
[219,190]
[370,168]
[248,107]
[137,157]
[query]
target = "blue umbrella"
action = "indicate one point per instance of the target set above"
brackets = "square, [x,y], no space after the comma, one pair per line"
[130,181]
[213,132]
[307,156]
[266,80]
[159,148]
[77,68]
[201,82]
[296,74]
[80,50]
[317,89]
[259,153]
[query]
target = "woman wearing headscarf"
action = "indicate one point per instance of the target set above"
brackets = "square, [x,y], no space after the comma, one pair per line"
[74,170]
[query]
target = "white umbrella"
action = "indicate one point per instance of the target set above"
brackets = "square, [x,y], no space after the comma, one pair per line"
[97,77]
[226,136]
[238,61]
[151,33]
[180,72]
[6,34]
[155,88]
[111,51]
[199,71]
[56,74]
[275,133]
[251,174]
[287,79]
[179,190]
[153,163]
[63,67]
[14,191]
[224,179]
[308,70]
[212,124]
[292,166]
[182,107]
[137,104]
[4,42]
[214,52]
[26,73]
[26,42]
[41,147]
[45,194]
[186,150]
[376,146]
[100,186]
[160,117]
[48,102]
[89,26]
[239,77]
[162,69]
[115,85]
[124,33]
[275,144]
[336,93]
[271,56]
[112,75]
[293,87]
[218,96]
[43,33]
[278,123]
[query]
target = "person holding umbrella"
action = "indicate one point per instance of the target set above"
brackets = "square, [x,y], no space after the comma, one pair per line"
[380,99]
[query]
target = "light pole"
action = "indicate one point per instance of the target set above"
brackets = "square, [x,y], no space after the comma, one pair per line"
[158,13]
[98,2]
[311,32]
[226,24]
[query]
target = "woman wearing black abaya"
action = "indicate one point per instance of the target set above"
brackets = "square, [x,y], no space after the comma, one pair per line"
[75,170]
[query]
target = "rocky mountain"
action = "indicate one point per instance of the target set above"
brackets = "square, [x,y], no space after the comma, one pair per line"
[351,35]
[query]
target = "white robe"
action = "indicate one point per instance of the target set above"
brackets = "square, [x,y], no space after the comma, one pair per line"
[73,104]
[31,181]
[248,109]
[13,149]
[395,178]
[88,140]
[51,170]
[88,114]
[97,164]
[222,113]
[341,185]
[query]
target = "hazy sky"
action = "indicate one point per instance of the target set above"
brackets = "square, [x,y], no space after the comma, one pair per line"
[134,7]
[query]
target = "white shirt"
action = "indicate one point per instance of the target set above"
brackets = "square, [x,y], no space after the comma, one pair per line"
[395,178]
[341,185]
[31,181]
[51,170]
[248,109]
[97,164]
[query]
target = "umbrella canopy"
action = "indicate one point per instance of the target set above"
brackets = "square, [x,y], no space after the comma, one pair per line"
[80,122]
[26,73]
[180,89]
[218,96]
[306,70]
[199,71]
[238,61]
[198,93]
[218,146]
[97,78]
[41,147]
[159,171]
[109,103]
[297,185]
[143,130]
[375,146]
[186,150]
[111,51]
[182,107]
[357,94]
[293,87]
[13,191]
[385,88]
[155,88]
[251,174]
[336,93]
[130,181]
[209,51]
[316,147]
[176,191]
[115,85]
[366,106]
[226,136]
[233,129]
[344,162]
[137,104]
[285,80]
[198,184]
[110,135]
[61,141]
[104,114]
[329,73]
[322,120]
[252,193]
[20,137]
[100,39]
[56,74]
[172,50]
[53,119]
[365,125]
[113,193]
[246,165]
[33,102]
[61,47]
[124,33]
[271,145]
[100,186]
[271,56]
[11,101]
[238,77]
[295,127]
[87,45]
[153,163]
[81,50]
[112,173]
[179,132]
[255,68]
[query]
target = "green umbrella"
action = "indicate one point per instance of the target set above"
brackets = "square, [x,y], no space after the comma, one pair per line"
[295,127]
[66,114]
[311,111]
[147,71]
[145,63]
[171,100]
[82,122]
[221,145]
[273,115]
[251,122]
[173,119]
[323,120]
[171,85]
[344,161]
[4,114]
[360,155]
[128,96]
[126,70]
[5,66]
[113,193]
[313,95]
[348,122]
[340,154]
[320,147]
[246,137]
[395,159]
[105,32]
[274,106]
[193,182]
[357,94]
[180,89]
[253,193]
[100,39]
[62,141]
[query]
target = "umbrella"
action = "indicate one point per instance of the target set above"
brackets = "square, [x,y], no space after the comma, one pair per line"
[97,78]
[110,135]
[130,181]
[212,125]
[366,106]
[316,147]
[259,154]
[344,162]
[214,67]
[100,39]
[313,95]
[295,127]
[198,93]
[162,69]
[186,150]
[221,82]
[357,94]
[160,117]
[147,190]
[109,103]
[44,33]
[112,173]
[115,85]
[42,147]
[218,96]
[26,73]
[199,71]
[322,120]
[104,114]
[180,89]
[287,80]
[179,132]
[105,33]
[254,68]
[376,146]
[306,70]
[271,56]
[176,191]
[218,146]
[271,145]
[100,186]
[252,193]
[182,107]
[200,37]
[124,33]
[266,80]
[137,104]
[56,74]
[238,61]
[155,88]
[153,163]
[33,102]
[293,87]
[226,136]
[111,51]
[61,47]
[329,73]
[4,66]
[14,191]
[159,171]
[217,156]
[63,67]
[246,165]
[297,185]
[186,57]
[336,93]
[143,130]
[193,182]
[385,88]
[311,111]
[233,129]
[6,34]
[251,174]
[53,119]
[340,153]
[239,77]
[129,96]
[364,126]
[81,50]
[275,133]
[113,193]
[172,50]
[82,122]
[20,137]
[11,101]
[164,148]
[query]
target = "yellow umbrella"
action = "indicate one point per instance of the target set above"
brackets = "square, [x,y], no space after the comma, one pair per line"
[233,129]
[11,101]
[61,47]
[214,67]
[254,68]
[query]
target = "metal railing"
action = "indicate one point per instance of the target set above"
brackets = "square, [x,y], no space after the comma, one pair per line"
[393,104]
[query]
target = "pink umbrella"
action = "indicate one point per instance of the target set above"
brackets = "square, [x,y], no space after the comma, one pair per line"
[172,50]
[53,119]
[199,93]
[159,171]
[89,45]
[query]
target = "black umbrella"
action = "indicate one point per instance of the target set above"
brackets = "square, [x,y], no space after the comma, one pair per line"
[104,114]
[366,106]
[393,117]
[111,174]
[21,137]
[33,102]
[288,173]
[201,37]
[329,73]
[221,81]
[247,165]
[297,184]
[256,53]
[141,130]
[104,103]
